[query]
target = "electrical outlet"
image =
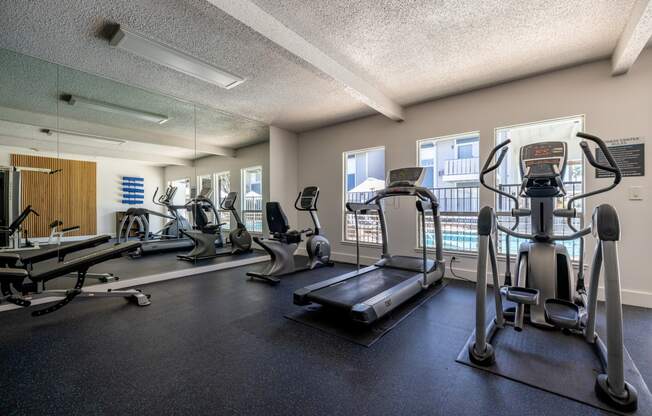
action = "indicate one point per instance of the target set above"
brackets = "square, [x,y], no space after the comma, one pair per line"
[635,193]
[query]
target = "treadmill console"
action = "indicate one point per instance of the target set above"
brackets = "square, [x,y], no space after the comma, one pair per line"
[543,160]
[405,177]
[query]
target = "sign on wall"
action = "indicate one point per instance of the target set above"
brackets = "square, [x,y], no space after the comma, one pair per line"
[629,154]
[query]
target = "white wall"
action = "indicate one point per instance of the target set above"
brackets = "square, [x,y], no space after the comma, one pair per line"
[614,107]
[109,195]
[255,155]
[284,170]
[109,175]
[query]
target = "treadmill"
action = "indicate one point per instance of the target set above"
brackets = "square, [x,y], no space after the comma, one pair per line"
[369,293]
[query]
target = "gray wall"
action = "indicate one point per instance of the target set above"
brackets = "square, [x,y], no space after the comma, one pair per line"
[255,155]
[614,107]
[283,171]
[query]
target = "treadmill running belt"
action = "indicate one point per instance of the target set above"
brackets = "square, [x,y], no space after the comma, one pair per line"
[360,288]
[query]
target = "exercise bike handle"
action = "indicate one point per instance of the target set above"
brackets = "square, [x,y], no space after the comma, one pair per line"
[613,166]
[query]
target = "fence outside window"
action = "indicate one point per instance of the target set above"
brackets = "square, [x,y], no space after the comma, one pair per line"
[459,216]
[560,226]
[252,213]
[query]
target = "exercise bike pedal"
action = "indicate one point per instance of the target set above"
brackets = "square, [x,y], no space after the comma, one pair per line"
[562,314]
[522,295]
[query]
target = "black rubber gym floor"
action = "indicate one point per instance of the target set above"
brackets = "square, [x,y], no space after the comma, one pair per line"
[218,344]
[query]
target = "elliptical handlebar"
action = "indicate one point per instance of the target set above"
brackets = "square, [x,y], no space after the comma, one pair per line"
[613,168]
[488,168]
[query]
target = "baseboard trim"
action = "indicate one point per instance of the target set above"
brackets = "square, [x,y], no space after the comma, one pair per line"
[629,297]
[145,280]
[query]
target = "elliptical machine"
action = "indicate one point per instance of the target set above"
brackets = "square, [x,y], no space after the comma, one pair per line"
[206,236]
[209,236]
[284,242]
[172,228]
[543,290]
[239,238]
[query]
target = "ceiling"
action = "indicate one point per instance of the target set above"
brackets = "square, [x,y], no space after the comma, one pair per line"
[410,50]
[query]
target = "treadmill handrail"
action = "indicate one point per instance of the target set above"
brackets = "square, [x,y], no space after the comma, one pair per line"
[361,207]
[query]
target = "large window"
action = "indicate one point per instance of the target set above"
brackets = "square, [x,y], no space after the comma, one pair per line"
[452,173]
[508,177]
[183,191]
[206,182]
[364,173]
[223,181]
[252,198]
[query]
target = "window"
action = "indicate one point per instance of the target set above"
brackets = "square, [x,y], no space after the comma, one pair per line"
[467,148]
[452,173]
[508,177]
[183,191]
[252,198]
[364,173]
[206,182]
[223,181]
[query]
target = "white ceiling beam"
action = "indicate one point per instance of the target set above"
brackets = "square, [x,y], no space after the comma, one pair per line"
[267,25]
[636,35]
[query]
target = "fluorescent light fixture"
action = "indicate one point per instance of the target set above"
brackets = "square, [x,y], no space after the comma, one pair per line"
[77,101]
[94,137]
[179,61]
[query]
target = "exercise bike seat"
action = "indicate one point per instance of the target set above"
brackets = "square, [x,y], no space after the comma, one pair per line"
[212,228]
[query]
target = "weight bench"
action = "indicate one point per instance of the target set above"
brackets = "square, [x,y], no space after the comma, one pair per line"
[27,259]
[25,281]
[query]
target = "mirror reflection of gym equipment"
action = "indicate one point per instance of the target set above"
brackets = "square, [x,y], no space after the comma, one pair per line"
[261,207]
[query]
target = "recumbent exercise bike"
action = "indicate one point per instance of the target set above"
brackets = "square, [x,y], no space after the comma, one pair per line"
[284,242]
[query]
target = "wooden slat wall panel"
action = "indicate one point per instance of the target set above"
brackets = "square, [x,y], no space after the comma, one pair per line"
[69,196]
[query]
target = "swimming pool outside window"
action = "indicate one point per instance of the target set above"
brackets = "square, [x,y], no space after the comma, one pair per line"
[452,172]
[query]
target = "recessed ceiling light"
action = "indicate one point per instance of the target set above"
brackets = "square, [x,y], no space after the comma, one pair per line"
[167,56]
[115,109]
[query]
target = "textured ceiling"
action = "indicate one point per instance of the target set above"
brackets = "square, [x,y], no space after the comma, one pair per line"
[419,49]
[412,50]
[279,89]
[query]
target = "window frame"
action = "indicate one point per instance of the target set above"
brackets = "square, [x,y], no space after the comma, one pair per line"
[494,203]
[345,155]
[188,195]
[216,195]
[243,188]
[417,224]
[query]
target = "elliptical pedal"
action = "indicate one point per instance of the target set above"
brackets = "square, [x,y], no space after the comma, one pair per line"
[522,295]
[562,314]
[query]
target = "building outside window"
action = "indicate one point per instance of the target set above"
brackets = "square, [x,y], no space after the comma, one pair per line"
[252,198]
[452,173]
[508,177]
[364,174]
